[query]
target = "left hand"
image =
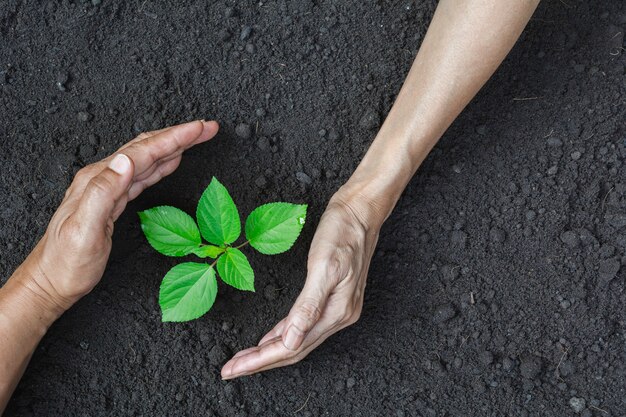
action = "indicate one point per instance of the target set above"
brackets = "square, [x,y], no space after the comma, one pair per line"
[70,258]
[332,297]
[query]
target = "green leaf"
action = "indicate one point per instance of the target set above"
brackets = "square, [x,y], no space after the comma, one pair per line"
[273,228]
[235,269]
[187,292]
[208,251]
[217,215]
[170,231]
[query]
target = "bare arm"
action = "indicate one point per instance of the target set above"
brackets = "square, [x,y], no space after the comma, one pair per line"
[70,258]
[465,43]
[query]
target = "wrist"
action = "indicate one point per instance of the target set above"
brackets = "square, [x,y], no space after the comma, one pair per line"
[33,286]
[23,301]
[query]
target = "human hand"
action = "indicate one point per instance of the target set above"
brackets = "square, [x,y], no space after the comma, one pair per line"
[332,298]
[69,260]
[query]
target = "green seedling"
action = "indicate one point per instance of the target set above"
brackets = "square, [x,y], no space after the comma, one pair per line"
[189,289]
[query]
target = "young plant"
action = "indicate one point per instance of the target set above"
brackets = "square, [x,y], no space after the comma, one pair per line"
[189,289]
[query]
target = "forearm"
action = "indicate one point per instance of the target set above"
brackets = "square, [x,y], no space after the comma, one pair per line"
[25,316]
[465,43]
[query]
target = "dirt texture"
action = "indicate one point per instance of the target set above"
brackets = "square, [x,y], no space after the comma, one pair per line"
[498,285]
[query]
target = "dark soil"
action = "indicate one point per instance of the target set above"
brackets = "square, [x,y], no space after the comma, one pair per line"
[498,287]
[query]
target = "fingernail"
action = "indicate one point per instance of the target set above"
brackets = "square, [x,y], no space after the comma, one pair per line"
[291,338]
[120,164]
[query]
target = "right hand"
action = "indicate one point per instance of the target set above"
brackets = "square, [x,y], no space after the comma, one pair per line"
[332,297]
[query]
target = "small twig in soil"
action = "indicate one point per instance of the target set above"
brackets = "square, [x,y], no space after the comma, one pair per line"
[472,301]
[549,134]
[556,371]
[525,98]
[303,405]
[604,199]
[599,409]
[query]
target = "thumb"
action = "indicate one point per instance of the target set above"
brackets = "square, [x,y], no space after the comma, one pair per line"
[307,310]
[104,190]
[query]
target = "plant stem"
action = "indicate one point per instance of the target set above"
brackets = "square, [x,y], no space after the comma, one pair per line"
[242,245]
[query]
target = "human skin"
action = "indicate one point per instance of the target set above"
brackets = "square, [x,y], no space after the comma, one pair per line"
[70,258]
[465,43]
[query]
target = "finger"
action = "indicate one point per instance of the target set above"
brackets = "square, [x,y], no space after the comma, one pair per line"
[273,353]
[168,144]
[256,358]
[279,364]
[275,332]
[272,334]
[103,191]
[308,308]
[144,136]
[161,171]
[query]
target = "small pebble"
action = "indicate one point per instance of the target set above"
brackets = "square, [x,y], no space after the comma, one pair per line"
[370,120]
[230,12]
[270,292]
[481,130]
[304,178]
[84,345]
[554,142]
[608,270]
[217,355]
[246,31]
[250,48]
[576,155]
[553,170]
[486,357]
[531,215]
[83,116]
[260,112]
[577,404]
[530,366]
[333,134]
[263,143]
[243,130]
[350,382]
[260,181]
[570,238]
[508,364]
[443,313]
[93,140]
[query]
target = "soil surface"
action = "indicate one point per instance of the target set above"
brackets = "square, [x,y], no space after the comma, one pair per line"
[498,286]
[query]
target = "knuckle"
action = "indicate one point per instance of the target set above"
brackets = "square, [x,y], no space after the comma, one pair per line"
[82,173]
[308,312]
[72,234]
[99,185]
